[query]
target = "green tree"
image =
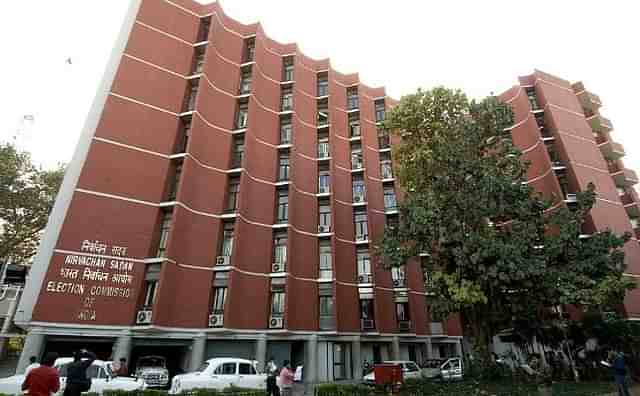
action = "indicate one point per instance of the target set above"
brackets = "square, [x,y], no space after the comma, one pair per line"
[498,252]
[27,194]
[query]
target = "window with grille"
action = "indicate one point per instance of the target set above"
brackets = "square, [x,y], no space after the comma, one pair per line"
[286,131]
[280,248]
[390,198]
[227,240]
[245,81]
[242,115]
[219,296]
[283,206]
[360,220]
[287,69]
[165,227]
[358,188]
[326,268]
[286,103]
[277,303]
[232,197]
[352,98]
[283,167]
[356,156]
[323,85]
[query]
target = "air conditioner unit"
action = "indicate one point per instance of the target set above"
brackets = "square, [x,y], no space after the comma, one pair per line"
[357,198]
[277,267]
[324,228]
[144,316]
[367,324]
[323,190]
[276,323]
[222,260]
[572,197]
[216,320]
[404,325]
[361,278]
[398,282]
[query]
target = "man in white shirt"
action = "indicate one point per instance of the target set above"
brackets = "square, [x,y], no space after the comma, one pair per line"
[32,365]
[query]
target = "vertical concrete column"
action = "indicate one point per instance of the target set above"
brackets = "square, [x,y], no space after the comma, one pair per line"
[33,346]
[356,355]
[122,348]
[261,351]
[311,368]
[197,351]
[395,348]
[458,346]
[429,348]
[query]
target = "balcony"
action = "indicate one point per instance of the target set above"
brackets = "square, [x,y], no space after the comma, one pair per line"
[599,123]
[365,278]
[436,328]
[610,149]
[633,210]
[367,324]
[399,283]
[404,325]
[624,177]
[327,322]
[590,102]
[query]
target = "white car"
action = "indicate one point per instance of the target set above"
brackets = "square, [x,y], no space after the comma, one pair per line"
[409,370]
[153,371]
[443,369]
[100,373]
[221,373]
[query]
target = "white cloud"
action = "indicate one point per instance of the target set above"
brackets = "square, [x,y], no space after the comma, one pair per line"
[480,47]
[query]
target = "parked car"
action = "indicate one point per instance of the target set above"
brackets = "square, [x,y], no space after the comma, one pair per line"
[102,379]
[443,369]
[220,373]
[409,370]
[153,371]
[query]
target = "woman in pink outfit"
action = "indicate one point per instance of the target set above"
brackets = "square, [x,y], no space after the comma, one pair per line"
[286,379]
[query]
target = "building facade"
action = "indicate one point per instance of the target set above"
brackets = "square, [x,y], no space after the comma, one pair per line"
[223,200]
[559,128]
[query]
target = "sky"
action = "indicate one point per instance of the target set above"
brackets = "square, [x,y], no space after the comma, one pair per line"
[55,52]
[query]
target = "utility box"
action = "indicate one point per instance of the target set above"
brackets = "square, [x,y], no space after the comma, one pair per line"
[387,374]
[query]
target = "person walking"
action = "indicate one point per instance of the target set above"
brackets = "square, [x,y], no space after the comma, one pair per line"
[43,380]
[121,369]
[33,363]
[77,381]
[286,379]
[619,373]
[272,374]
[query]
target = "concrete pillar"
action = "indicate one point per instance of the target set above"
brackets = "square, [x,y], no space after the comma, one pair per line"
[311,366]
[395,348]
[261,351]
[458,346]
[122,348]
[197,351]
[33,346]
[429,348]
[356,354]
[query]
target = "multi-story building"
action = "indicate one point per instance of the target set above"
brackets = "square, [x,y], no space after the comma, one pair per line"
[569,144]
[224,199]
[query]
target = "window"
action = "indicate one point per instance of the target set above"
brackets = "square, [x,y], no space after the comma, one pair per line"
[383,139]
[358,188]
[164,234]
[354,126]
[323,112]
[242,116]
[324,217]
[232,196]
[352,98]
[198,60]
[193,93]
[151,289]
[287,69]
[398,276]
[280,248]
[203,32]
[402,311]
[283,206]
[360,220]
[339,370]
[540,120]
[386,168]
[245,81]
[531,94]
[323,85]
[246,369]
[379,105]
[226,369]
[634,222]
[227,240]
[277,303]
[326,306]
[286,130]
[356,156]
[286,102]
[366,309]
[363,261]
[323,146]
[324,181]
[238,152]
[249,49]
[283,167]
[176,181]
[326,269]
[186,134]
[219,295]
[390,198]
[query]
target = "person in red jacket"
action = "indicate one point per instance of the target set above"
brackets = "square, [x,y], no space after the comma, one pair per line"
[43,380]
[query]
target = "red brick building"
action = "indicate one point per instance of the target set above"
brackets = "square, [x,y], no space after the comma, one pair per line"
[223,200]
